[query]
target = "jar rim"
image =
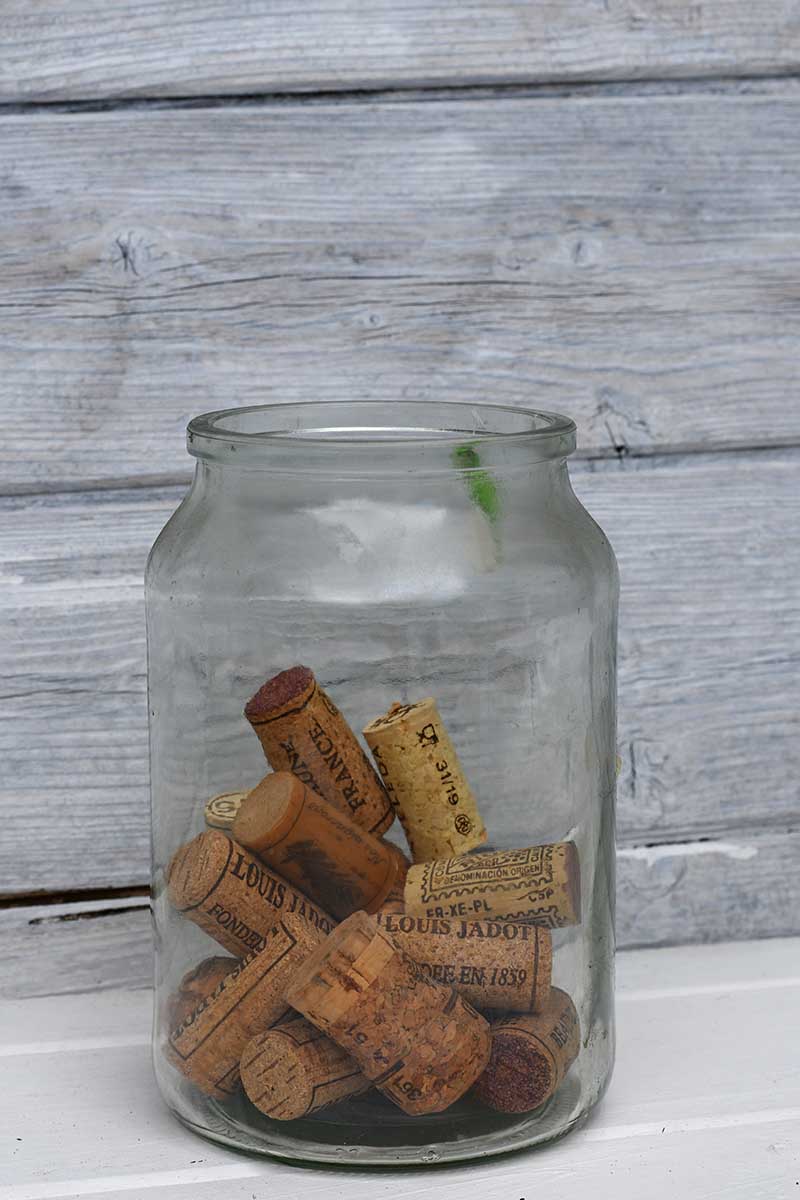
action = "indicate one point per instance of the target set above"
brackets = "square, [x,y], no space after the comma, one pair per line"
[372,427]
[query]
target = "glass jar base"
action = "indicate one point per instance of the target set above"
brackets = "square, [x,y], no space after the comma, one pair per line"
[362,1137]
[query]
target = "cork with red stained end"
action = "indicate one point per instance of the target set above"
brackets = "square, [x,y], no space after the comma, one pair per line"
[421,1043]
[196,985]
[294,1070]
[207,1046]
[540,885]
[301,730]
[530,1056]
[233,896]
[493,964]
[316,846]
[425,781]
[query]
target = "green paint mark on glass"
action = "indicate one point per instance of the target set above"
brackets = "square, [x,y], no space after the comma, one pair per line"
[480,484]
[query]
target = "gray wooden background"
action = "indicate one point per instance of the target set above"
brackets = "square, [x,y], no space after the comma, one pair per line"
[588,205]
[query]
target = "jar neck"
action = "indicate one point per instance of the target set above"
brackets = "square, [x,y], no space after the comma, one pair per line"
[380,441]
[536,488]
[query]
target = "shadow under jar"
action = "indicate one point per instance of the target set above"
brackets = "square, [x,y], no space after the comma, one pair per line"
[430,567]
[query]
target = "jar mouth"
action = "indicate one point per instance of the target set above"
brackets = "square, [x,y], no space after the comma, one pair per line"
[367,436]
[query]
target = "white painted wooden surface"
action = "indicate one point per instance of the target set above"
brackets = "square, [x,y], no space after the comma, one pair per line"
[211,47]
[704,1104]
[630,258]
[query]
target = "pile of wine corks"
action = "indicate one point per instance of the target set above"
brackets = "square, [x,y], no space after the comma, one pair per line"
[349,967]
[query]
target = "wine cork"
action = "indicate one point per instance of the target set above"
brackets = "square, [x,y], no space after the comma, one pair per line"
[316,846]
[421,1043]
[208,1044]
[232,895]
[295,1070]
[220,812]
[493,964]
[540,884]
[396,891]
[425,782]
[530,1056]
[195,985]
[301,730]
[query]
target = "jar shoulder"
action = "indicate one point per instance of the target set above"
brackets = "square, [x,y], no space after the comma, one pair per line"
[359,545]
[175,539]
[591,540]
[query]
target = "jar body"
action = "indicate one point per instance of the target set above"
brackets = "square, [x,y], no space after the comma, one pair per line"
[490,590]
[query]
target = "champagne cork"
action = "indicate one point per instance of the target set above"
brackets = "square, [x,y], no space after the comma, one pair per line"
[220,812]
[195,985]
[421,1043]
[425,782]
[530,1056]
[232,895]
[316,846]
[493,964]
[294,1070]
[302,731]
[540,884]
[208,1045]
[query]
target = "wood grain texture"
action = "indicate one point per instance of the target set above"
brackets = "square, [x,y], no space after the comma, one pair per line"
[213,48]
[709,685]
[747,886]
[632,259]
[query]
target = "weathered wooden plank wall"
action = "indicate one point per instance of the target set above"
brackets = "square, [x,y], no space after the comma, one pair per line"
[631,257]
[709,698]
[627,251]
[214,47]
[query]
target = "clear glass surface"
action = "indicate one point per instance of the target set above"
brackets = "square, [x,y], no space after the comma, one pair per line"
[400,551]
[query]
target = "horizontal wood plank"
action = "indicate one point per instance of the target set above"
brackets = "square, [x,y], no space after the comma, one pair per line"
[630,259]
[184,48]
[709,686]
[670,895]
[54,949]
[757,1155]
[708,891]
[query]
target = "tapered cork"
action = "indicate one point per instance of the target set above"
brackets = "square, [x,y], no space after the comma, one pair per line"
[295,1070]
[540,884]
[493,964]
[196,985]
[301,730]
[316,846]
[425,782]
[421,1043]
[530,1056]
[208,1045]
[220,812]
[234,896]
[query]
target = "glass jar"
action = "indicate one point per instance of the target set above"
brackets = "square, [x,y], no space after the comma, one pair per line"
[400,553]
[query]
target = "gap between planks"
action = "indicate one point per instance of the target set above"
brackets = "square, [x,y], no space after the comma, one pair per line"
[636,457]
[755,84]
